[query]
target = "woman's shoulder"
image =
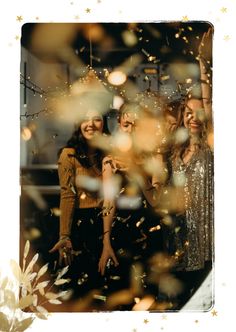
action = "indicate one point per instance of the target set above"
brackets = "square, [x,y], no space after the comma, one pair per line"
[66,153]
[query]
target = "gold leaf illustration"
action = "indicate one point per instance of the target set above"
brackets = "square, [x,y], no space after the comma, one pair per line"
[41,316]
[9,299]
[22,325]
[61,281]
[31,264]
[42,284]
[42,310]
[42,271]
[62,272]
[55,301]
[16,270]
[4,283]
[52,296]
[26,251]
[26,301]
[4,323]
[41,291]
[35,300]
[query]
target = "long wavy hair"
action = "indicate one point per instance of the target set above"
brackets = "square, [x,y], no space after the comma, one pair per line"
[82,151]
[178,149]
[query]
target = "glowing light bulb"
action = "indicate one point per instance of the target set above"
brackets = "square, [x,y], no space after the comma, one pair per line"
[117,78]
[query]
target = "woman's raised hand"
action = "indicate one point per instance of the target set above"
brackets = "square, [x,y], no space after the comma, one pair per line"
[205,46]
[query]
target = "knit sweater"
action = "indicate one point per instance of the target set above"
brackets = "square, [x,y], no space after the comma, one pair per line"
[74,191]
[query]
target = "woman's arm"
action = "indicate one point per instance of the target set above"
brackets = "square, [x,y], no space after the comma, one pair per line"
[205,60]
[108,214]
[66,174]
[159,177]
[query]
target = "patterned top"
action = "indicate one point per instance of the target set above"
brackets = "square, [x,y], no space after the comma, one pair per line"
[195,235]
[75,181]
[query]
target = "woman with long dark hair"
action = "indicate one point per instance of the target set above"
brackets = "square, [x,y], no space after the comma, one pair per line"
[80,242]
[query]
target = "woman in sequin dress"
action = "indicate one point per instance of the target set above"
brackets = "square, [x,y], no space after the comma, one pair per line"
[191,237]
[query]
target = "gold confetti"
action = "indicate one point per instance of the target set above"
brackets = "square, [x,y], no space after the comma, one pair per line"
[156,228]
[214,313]
[19,18]
[164,317]
[76,17]
[17,37]
[144,304]
[196,321]
[100,297]
[223,10]
[164,77]
[146,321]
[185,18]
[88,10]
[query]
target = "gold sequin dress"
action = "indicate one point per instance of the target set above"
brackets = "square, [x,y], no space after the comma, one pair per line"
[193,234]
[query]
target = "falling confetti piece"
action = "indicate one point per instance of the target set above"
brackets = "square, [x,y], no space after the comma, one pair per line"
[214,313]
[19,18]
[185,18]
[223,10]
[226,37]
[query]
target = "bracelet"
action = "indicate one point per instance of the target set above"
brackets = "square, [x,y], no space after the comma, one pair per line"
[64,237]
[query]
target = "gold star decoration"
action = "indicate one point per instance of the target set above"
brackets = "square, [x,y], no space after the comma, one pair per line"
[214,313]
[185,18]
[226,37]
[223,10]
[196,321]
[17,37]
[88,10]
[19,18]
[146,321]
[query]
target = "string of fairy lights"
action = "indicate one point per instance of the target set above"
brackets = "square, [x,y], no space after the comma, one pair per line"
[182,88]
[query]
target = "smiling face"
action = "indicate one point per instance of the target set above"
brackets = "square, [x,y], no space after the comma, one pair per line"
[194,116]
[92,124]
[127,122]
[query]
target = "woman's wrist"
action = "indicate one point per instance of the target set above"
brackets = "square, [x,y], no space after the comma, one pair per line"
[106,238]
[64,237]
